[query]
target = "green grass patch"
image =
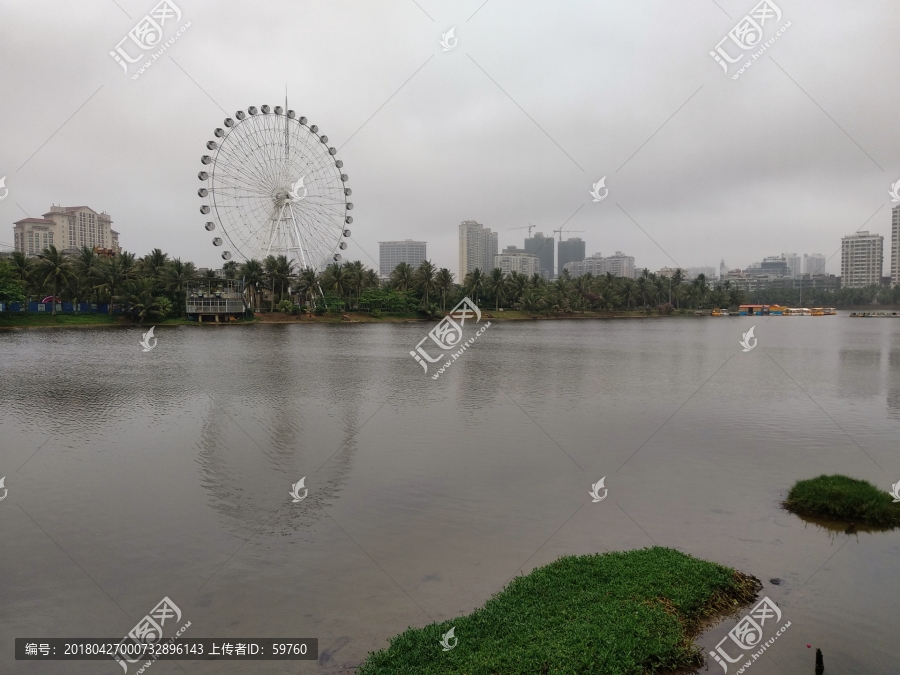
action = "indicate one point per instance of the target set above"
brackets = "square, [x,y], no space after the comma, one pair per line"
[614,613]
[845,499]
[47,319]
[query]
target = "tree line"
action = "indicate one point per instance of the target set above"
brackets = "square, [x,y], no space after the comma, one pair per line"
[153,286]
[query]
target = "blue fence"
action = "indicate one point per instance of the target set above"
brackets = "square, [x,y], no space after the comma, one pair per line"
[61,308]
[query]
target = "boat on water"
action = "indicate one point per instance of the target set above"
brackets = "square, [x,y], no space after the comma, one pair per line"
[721,312]
[895,315]
[797,311]
[817,311]
[758,310]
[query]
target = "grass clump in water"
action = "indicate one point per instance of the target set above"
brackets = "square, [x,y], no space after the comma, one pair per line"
[842,498]
[614,613]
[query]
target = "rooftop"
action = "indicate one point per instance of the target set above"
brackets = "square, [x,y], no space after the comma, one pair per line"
[42,221]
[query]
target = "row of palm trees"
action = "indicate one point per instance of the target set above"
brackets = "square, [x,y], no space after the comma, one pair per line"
[154,285]
[567,293]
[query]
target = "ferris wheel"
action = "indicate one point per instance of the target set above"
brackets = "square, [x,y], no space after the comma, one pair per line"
[276,188]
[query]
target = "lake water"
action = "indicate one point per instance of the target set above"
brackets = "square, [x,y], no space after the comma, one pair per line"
[133,476]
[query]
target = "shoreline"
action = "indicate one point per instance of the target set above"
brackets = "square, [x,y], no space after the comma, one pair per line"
[280,319]
[275,318]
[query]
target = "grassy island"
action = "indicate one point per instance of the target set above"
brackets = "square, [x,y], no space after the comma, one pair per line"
[844,499]
[618,613]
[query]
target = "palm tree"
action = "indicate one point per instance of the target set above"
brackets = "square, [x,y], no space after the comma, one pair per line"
[53,267]
[270,278]
[354,273]
[444,282]
[516,283]
[284,270]
[495,284]
[425,279]
[87,265]
[474,283]
[231,269]
[154,261]
[141,300]
[176,276]
[335,278]
[307,282]
[403,277]
[640,288]
[371,279]
[22,268]
[253,273]
[114,272]
[581,291]
[702,287]
[676,278]
[529,300]
[628,291]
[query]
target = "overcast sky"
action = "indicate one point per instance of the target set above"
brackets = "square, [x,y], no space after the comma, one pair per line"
[537,101]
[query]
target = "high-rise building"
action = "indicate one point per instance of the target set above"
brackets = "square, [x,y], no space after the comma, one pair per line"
[542,247]
[570,250]
[392,253]
[723,270]
[694,272]
[794,265]
[814,263]
[66,227]
[620,265]
[862,257]
[775,265]
[517,261]
[477,248]
[895,246]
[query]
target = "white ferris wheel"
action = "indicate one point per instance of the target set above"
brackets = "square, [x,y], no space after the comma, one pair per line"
[275,187]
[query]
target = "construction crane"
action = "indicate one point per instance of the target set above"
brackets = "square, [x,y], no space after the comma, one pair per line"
[560,230]
[528,227]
